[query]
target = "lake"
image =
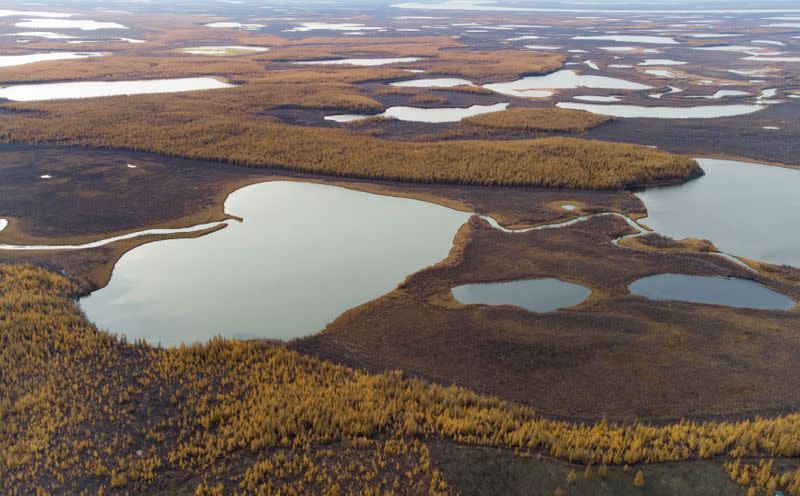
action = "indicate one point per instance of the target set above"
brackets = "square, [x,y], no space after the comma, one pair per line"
[94,89]
[745,209]
[638,111]
[304,254]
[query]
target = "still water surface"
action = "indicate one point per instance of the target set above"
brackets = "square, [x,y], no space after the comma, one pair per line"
[745,209]
[726,291]
[536,295]
[304,254]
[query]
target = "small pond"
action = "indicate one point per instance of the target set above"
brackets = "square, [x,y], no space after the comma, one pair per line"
[83,25]
[624,38]
[440,115]
[429,115]
[432,83]
[536,295]
[223,50]
[732,292]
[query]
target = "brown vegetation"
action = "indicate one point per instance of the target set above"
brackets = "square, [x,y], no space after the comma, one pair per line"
[564,363]
[655,241]
[84,411]
[233,125]
[229,125]
[470,90]
[495,65]
[332,97]
[428,98]
[318,48]
[94,194]
[120,67]
[537,120]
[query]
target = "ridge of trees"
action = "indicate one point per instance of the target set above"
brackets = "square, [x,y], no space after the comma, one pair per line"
[83,409]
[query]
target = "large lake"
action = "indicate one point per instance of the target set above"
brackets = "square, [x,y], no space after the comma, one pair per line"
[745,209]
[304,254]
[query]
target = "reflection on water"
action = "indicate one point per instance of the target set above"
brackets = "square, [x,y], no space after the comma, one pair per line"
[536,295]
[747,210]
[304,254]
[726,291]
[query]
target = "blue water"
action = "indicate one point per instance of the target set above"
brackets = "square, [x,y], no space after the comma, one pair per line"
[730,292]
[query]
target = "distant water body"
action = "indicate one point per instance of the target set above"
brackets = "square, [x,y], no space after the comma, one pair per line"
[745,209]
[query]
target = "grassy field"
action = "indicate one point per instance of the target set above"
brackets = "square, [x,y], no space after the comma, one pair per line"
[84,410]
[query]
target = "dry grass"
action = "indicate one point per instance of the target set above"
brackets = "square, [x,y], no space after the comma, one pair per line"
[428,98]
[537,120]
[500,65]
[655,241]
[333,97]
[394,91]
[229,125]
[471,90]
[332,74]
[119,67]
[316,48]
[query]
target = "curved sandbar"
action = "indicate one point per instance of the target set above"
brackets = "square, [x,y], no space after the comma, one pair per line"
[106,241]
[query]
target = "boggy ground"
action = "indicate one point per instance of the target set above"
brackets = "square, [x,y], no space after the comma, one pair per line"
[615,356]
[741,137]
[94,195]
